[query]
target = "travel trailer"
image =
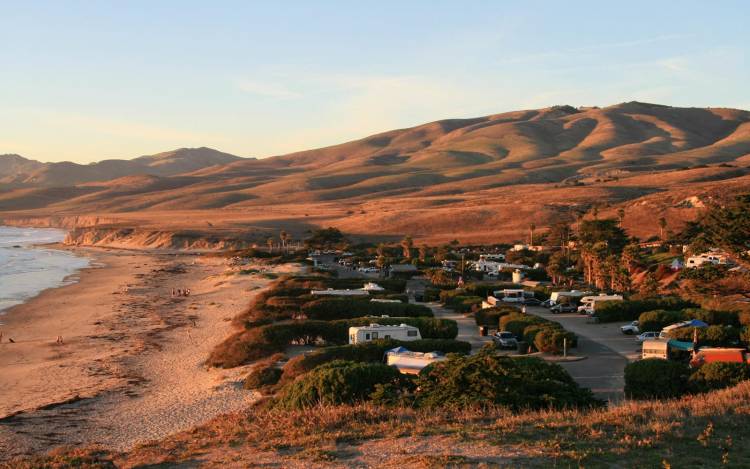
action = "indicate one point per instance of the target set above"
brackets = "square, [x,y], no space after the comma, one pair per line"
[361,334]
[588,303]
[705,258]
[572,296]
[512,295]
[332,292]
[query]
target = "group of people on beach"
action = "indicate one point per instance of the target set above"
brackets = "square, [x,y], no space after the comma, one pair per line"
[180,292]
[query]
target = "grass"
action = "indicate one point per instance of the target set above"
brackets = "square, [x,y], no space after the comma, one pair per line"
[698,431]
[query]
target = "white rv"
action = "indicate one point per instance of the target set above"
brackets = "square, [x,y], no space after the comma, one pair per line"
[588,303]
[361,334]
[557,296]
[513,295]
[332,292]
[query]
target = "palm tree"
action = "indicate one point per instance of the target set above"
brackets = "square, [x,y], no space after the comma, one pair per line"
[269,242]
[621,215]
[662,226]
[283,236]
[630,255]
[532,227]
[407,243]
[423,253]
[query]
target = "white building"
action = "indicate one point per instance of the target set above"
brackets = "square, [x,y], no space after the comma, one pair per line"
[361,334]
[521,247]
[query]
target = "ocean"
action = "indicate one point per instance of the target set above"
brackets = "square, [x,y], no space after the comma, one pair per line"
[26,269]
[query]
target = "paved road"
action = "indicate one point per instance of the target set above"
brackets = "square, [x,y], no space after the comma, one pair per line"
[467,327]
[607,351]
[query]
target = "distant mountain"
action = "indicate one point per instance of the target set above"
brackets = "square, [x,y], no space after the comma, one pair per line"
[20,172]
[482,178]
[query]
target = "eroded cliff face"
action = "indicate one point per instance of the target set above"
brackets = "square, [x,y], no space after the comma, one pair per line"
[133,238]
[114,233]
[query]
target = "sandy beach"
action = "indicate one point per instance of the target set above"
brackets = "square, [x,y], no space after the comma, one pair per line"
[130,367]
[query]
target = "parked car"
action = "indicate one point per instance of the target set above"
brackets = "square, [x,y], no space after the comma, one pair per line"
[547,303]
[532,302]
[647,336]
[564,308]
[505,339]
[630,329]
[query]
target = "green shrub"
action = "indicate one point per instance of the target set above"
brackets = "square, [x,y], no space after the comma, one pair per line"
[718,375]
[464,304]
[745,335]
[368,352]
[242,348]
[491,316]
[517,323]
[654,321]
[337,382]
[328,309]
[719,336]
[431,294]
[654,378]
[711,317]
[488,379]
[552,340]
[611,311]
[262,376]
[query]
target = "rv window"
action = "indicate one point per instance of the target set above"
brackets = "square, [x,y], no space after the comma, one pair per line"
[374,335]
[387,336]
[411,333]
[367,336]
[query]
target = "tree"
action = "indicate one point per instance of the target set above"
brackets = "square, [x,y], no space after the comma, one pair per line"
[621,215]
[726,227]
[630,256]
[595,212]
[556,267]
[560,234]
[532,227]
[406,244]
[662,226]
[269,242]
[593,231]
[442,253]
[649,287]
[326,238]
[423,253]
[283,236]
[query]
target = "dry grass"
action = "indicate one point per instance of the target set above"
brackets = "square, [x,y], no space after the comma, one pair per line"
[698,431]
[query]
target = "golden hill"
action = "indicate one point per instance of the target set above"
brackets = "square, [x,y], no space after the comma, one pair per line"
[476,179]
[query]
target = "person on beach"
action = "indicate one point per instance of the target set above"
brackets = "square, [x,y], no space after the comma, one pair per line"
[59,340]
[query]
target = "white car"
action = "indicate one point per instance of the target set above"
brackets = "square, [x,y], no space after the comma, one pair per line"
[647,336]
[630,329]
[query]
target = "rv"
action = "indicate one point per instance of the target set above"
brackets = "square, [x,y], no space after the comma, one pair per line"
[513,295]
[408,362]
[361,334]
[588,303]
[571,296]
[666,349]
[332,292]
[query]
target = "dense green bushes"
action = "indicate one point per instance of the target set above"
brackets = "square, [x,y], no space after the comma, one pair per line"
[718,375]
[336,382]
[368,352]
[491,316]
[656,320]
[654,378]
[611,311]
[262,376]
[725,318]
[329,309]
[488,379]
[544,335]
[720,336]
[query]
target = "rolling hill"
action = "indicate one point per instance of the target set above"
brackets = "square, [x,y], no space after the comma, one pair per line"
[481,179]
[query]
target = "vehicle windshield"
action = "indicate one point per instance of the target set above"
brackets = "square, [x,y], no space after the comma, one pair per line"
[506,335]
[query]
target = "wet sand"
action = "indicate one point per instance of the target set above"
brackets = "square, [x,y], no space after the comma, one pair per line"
[130,367]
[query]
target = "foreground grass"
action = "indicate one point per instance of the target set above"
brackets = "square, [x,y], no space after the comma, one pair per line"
[699,431]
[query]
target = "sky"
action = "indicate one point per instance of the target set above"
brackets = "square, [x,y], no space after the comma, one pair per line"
[84,81]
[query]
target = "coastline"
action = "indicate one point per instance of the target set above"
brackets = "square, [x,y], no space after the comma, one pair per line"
[130,368]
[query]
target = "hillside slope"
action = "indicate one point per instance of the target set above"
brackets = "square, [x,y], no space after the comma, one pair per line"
[476,179]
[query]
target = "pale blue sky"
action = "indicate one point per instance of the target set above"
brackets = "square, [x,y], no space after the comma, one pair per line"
[86,80]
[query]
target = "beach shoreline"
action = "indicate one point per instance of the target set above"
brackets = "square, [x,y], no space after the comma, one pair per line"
[130,367]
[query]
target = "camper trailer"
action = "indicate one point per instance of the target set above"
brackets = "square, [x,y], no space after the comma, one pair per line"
[570,296]
[513,295]
[361,334]
[588,303]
